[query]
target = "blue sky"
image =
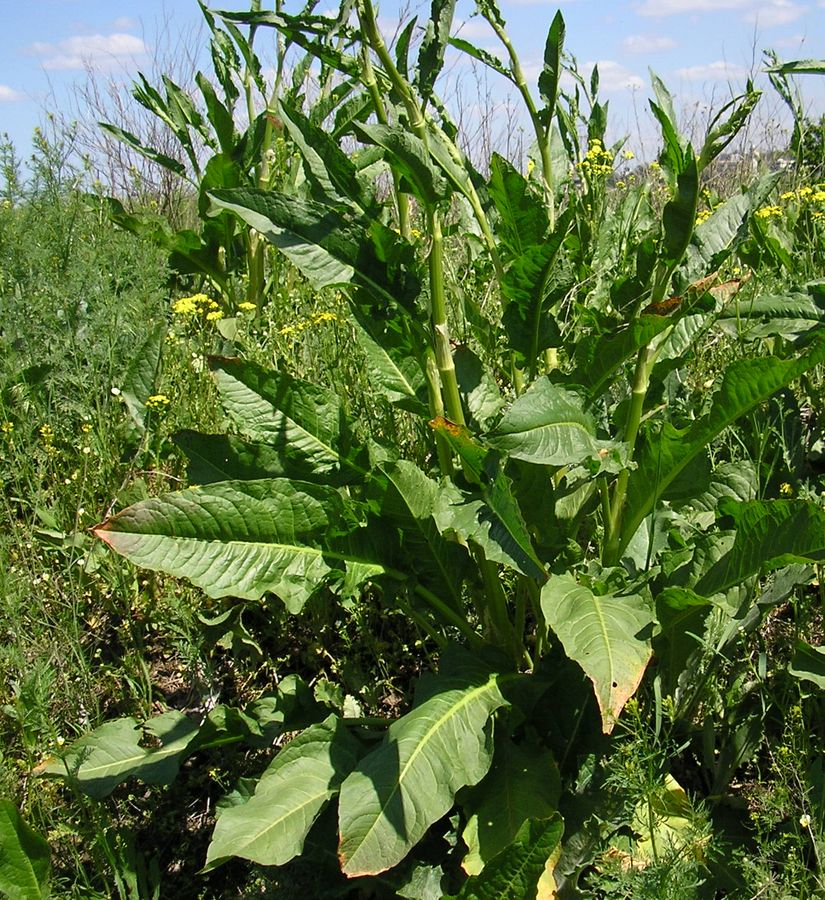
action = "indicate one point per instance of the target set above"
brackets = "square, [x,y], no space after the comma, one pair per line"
[704,49]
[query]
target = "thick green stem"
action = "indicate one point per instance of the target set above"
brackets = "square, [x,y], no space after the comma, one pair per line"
[402,201]
[613,526]
[542,134]
[448,615]
[436,406]
[438,322]
[493,607]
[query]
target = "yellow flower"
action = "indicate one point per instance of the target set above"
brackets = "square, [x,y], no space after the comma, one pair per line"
[246,306]
[189,306]
[7,427]
[214,316]
[805,820]
[324,317]
[85,428]
[157,402]
[818,197]
[786,489]
[703,216]
[768,212]
[628,154]
[531,165]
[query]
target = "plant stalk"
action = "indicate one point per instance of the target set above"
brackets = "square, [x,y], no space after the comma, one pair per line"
[613,526]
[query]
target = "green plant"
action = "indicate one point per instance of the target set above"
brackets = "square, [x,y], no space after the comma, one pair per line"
[565,525]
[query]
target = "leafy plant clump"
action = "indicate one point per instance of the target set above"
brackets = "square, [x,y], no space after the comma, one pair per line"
[582,537]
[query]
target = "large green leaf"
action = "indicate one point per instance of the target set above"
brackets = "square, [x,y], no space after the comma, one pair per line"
[25,859]
[523,783]
[303,422]
[327,247]
[406,784]
[515,873]
[98,762]
[409,157]
[126,137]
[490,516]
[788,315]
[547,425]
[663,456]
[480,393]
[599,357]
[394,374]
[532,284]
[224,457]
[607,635]
[522,212]
[799,67]
[141,377]
[329,170]
[270,828]
[727,226]
[551,72]
[244,538]
[436,37]
[770,534]
[808,663]
[408,500]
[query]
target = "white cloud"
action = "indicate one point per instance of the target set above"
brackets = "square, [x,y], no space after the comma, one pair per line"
[538,3]
[613,76]
[9,95]
[647,43]
[767,13]
[98,50]
[124,23]
[777,12]
[660,8]
[715,71]
[471,29]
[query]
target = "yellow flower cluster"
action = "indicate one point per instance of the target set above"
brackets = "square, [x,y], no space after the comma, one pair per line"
[46,433]
[599,161]
[301,325]
[246,306]
[768,212]
[157,403]
[192,306]
[7,427]
[703,216]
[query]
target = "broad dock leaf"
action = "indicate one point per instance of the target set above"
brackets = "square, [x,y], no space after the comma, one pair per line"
[523,783]
[98,762]
[769,534]
[515,873]
[405,785]
[25,858]
[606,635]
[305,423]
[547,425]
[244,538]
[271,827]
